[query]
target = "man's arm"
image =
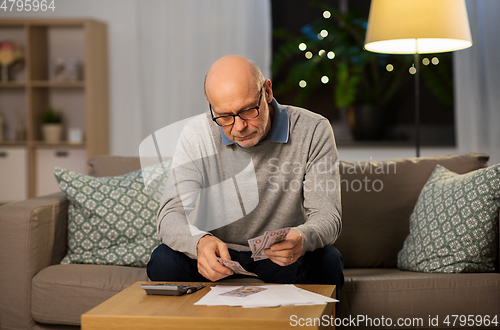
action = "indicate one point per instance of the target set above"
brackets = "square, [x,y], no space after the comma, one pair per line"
[181,193]
[178,201]
[210,247]
[321,189]
[179,236]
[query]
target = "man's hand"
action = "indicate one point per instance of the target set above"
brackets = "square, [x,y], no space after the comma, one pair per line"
[288,251]
[209,248]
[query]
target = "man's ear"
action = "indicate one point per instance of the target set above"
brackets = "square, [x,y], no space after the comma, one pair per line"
[268,90]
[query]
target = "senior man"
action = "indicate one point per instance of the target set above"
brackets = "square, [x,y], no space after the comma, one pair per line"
[290,155]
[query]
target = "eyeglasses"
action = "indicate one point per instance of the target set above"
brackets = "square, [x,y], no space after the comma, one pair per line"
[246,114]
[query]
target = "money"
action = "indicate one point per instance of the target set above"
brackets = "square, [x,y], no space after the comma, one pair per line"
[243,291]
[256,244]
[235,266]
[265,241]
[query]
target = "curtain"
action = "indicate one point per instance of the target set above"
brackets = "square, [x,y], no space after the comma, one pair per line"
[177,42]
[477,83]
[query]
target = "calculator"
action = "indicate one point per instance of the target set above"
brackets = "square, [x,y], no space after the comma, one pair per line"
[170,289]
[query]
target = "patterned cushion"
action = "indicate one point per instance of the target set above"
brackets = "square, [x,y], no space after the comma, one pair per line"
[111,220]
[454,226]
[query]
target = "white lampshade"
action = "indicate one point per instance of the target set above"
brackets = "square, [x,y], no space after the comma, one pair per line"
[423,26]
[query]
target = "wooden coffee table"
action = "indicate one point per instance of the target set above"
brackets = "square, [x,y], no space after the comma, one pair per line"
[134,309]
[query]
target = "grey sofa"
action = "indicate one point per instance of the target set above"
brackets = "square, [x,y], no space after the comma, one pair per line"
[38,293]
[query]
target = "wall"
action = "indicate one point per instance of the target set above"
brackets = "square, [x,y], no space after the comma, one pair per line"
[151,87]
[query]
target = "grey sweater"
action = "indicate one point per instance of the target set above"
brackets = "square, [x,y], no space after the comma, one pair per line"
[237,193]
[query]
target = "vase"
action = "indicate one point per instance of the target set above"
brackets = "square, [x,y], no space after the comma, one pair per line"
[52,133]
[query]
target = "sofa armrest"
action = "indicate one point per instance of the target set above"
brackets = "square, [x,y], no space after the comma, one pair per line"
[32,237]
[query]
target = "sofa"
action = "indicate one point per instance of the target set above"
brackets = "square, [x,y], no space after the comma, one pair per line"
[36,292]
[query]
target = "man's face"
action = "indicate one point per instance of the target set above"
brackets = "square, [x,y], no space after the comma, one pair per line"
[246,133]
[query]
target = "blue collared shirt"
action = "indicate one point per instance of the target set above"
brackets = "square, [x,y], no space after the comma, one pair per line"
[280,129]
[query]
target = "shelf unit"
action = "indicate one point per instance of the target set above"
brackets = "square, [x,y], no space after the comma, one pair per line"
[84,103]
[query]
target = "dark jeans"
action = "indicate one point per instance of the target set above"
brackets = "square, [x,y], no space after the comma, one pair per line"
[321,266]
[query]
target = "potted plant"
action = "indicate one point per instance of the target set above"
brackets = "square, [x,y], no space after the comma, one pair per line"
[52,125]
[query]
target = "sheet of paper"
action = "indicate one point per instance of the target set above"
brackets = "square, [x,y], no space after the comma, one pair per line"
[272,296]
[212,297]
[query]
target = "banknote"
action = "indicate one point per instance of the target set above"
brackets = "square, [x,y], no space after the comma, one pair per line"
[265,241]
[235,266]
[256,243]
[243,291]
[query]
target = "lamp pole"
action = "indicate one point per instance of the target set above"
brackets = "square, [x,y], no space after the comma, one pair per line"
[417,101]
[392,24]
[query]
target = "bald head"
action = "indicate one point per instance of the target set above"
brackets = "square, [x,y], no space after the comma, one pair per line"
[234,85]
[232,75]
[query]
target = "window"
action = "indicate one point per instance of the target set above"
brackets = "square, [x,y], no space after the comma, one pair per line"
[319,64]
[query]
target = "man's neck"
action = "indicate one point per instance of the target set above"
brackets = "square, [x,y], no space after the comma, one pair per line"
[270,123]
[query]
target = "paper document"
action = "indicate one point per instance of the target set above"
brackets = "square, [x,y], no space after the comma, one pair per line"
[261,296]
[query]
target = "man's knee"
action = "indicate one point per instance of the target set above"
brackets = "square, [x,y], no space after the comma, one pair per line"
[328,255]
[162,255]
[166,264]
[324,266]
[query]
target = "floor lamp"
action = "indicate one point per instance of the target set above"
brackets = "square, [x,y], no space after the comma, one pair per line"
[417,27]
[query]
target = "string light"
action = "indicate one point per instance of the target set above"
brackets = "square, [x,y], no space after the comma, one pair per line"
[331,55]
[324,33]
[426,61]
[309,55]
[389,67]
[413,70]
[302,83]
[325,79]
[435,61]
[302,46]
[321,52]
[327,14]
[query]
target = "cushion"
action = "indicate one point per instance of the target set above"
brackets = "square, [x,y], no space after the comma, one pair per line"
[377,200]
[393,293]
[454,226]
[62,293]
[111,220]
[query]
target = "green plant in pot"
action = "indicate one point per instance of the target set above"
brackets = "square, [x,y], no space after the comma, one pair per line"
[329,56]
[52,125]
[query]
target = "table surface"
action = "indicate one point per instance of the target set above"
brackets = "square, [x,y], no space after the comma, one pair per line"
[132,308]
